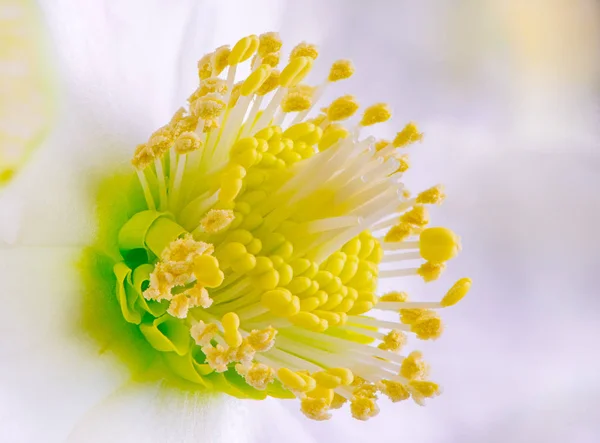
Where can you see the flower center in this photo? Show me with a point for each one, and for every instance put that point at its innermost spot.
(254, 267)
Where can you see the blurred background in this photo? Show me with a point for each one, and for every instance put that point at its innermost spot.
(507, 93)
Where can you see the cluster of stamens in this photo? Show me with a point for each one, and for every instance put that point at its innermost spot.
(283, 226)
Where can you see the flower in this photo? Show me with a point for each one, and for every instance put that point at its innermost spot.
(248, 249)
(317, 400)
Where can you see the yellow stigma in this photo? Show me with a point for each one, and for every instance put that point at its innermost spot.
(269, 42)
(410, 134)
(341, 70)
(374, 114)
(305, 50)
(342, 108)
(256, 266)
(457, 292)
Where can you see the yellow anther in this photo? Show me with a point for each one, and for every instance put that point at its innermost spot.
(319, 119)
(231, 324)
(257, 375)
(363, 408)
(432, 196)
(408, 135)
(262, 340)
(269, 42)
(266, 281)
(414, 367)
(203, 333)
(393, 341)
(431, 271)
(212, 85)
(296, 102)
(179, 306)
(381, 144)
(417, 216)
(217, 357)
(409, 316)
(310, 321)
(255, 80)
(198, 297)
(143, 157)
(235, 94)
(230, 188)
(187, 142)
(342, 108)
(438, 244)
(344, 374)
(428, 326)
(340, 70)
(205, 67)
(333, 318)
(331, 135)
(207, 272)
(377, 113)
(305, 50)
(271, 59)
(394, 390)
(395, 296)
(160, 141)
(404, 163)
(338, 401)
(270, 84)
(209, 107)
(217, 220)
(315, 408)
(243, 49)
(457, 292)
(299, 130)
(427, 389)
(295, 71)
(292, 380)
(309, 304)
(281, 302)
(221, 59)
(321, 391)
(360, 307)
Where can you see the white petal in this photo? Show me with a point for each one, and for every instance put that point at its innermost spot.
(151, 413)
(51, 372)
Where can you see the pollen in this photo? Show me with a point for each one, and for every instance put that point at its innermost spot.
(341, 70)
(257, 265)
(305, 50)
(217, 220)
(374, 114)
(342, 108)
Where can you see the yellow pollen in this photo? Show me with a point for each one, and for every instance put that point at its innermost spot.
(179, 306)
(143, 157)
(414, 367)
(203, 333)
(394, 297)
(217, 220)
(269, 42)
(428, 326)
(221, 59)
(408, 135)
(417, 216)
(262, 340)
(340, 70)
(209, 107)
(270, 84)
(457, 292)
(431, 271)
(198, 297)
(187, 142)
(394, 390)
(205, 66)
(338, 401)
(404, 163)
(377, 113)
(315, 408)
(296, 101)
(393, 341)
(160, 142)
(427, 389)
(363, 408)
(305, 50)
(271, 59)
(380, 144)
(432, 196)
(217, 357)
(399, 233)
(257, 375)
(342, 108)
